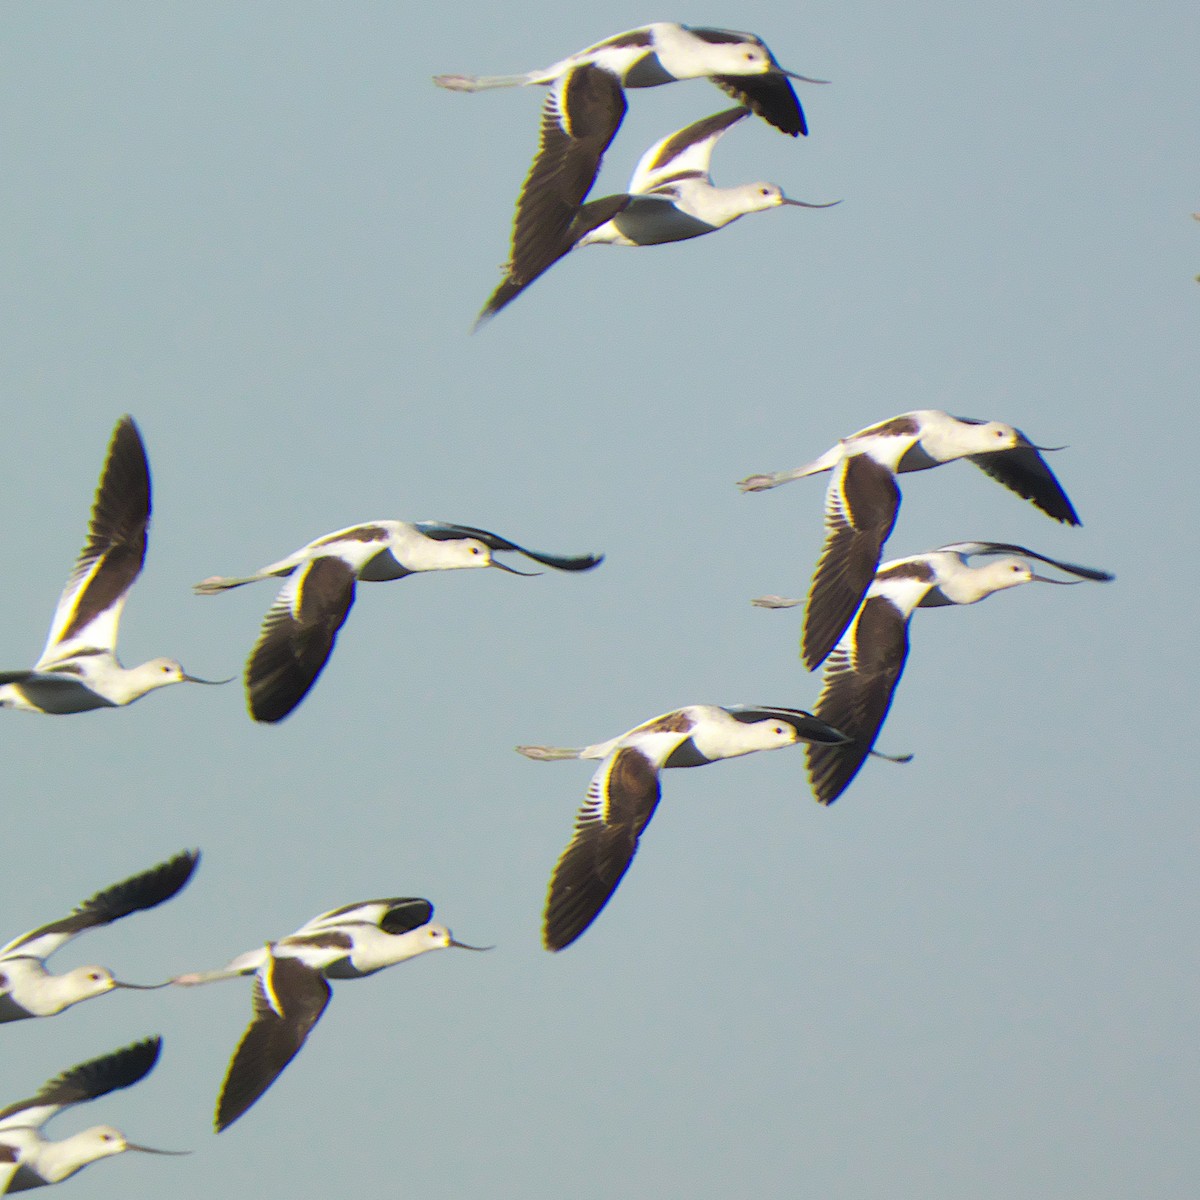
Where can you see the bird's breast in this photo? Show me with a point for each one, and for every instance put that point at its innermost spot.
(647, 71)
(654, 220)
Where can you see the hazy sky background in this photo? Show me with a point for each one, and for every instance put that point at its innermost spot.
(262, 230)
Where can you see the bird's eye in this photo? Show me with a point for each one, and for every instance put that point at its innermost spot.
(475, 550)
(106, 1137)
(95, 976)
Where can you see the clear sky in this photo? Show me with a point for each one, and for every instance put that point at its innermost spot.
(263, 231)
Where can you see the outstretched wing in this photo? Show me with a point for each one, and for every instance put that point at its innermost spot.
(397, 914)
(860, 510)
(298, 636)
(620, 801)
(685, 154)
(771, 97)
(131, 895)
(442, 531)
(88, 1081)
(860, 679)
(89, 609)
(289, 998)
(969, 548)
(808, 728)
(1023, 470)
(580, 118)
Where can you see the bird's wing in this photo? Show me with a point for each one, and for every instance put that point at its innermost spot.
(685, 154)
(131, 895)
(808, 728)
(298, 635)
(398, 914)
(89, 609)
(860, 678)
(970, 548)
(580, 118)
(289, 998)
(442, 531)
(771, 97)
(88, 1081)
(620, 801)
(1023, 470)
(860, 510)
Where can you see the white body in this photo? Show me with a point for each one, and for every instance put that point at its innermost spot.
(648, 56)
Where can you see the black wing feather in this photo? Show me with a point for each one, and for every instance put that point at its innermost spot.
(857, 693)
(294, 647)
(1023, 470)
(575, 134)
(855, 534)
(771, 96)
(606, 839)
(95, 1078)
(271, 1041)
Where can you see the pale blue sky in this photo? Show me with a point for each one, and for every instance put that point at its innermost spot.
(261, 230)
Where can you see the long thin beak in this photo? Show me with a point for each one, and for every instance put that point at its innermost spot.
(1060, 582)
(892, 758)
(1028, 445)
(151, 1150)
(805, 204)
(512, 570)
(141, 987)
(464, 946)
(802, 78)
(211, 683)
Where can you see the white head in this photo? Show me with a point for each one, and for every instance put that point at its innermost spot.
(750, 57)
(985, 437)
(158, 673)
(75, 1152)
(60, 1160)
(461, 552)
(83, 983)
(977, 583)
(436, 937)
(736, 202)
(771, 734)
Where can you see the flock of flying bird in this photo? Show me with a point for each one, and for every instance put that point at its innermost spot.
(856, 618)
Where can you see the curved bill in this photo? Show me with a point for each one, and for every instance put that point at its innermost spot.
(1060, 582)
(802, 78)
(211, 683)
(805, 204)
(140, 987)
(1028, 445)
(152, 1150)
(512, 570)
(464, 946)
(892, 758)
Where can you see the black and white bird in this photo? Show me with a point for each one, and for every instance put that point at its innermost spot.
(738, 63)
(28, 1160)
(861, 673)
(78, 669)
(862, 500)
(625, 790)
(27, 989)
(291, 983)
(670, 198)
(301, 626)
